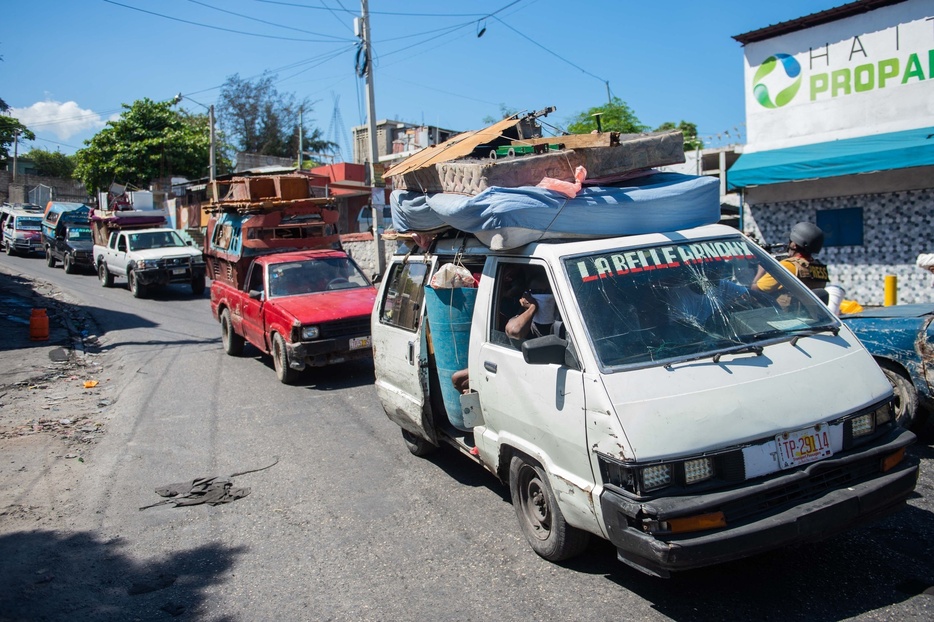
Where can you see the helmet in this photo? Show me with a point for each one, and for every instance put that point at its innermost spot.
(808, 237)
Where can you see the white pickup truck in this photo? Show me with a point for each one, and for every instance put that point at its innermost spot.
(147, 258)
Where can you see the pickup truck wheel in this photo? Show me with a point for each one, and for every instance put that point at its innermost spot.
(136, 288)
(280, 359)
(233, 343)
(197, 285)
(49, 258)
(68, 263)
(417, 445)
(106, 278)
(906, 395)
(540, 518)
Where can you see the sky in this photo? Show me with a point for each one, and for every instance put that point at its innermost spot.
(68, 66)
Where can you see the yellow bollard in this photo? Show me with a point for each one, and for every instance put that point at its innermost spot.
(891, 290)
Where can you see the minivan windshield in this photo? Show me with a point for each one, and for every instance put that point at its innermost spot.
(675, 301)
(28, 223)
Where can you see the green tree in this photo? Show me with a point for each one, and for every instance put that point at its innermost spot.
(261, 120)
(150, 140)
(9, 129)
(691, 140)
(615, 116)
(51, 163)
(504, 111)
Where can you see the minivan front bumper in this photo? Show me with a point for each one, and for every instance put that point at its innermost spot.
(803, 505)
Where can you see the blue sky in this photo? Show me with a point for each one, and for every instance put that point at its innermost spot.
(68, 65)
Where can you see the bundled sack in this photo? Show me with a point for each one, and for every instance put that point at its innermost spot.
(451, 276)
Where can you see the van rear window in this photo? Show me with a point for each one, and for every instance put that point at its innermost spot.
(661, 303)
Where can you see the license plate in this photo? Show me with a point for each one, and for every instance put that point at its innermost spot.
(179, 271)
(359, 342)
(803, 446)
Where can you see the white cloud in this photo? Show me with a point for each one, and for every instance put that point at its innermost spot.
(64, 120)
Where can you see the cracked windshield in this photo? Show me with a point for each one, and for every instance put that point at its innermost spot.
(673, 301)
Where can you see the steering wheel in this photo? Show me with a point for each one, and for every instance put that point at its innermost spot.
(335, 283)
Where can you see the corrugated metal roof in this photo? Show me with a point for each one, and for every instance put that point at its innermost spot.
(814, 19)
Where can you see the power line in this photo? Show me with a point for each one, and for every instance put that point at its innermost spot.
(558, 56)
(239, 32)
(262, 21)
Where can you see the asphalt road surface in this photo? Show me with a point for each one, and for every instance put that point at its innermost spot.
(347, 525)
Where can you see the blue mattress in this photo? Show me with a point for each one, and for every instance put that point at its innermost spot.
(504, 218)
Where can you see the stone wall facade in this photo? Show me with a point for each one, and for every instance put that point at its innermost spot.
(360, 246)
(18, 191)
(897, 227)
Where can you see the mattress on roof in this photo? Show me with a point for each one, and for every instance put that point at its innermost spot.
(504, 218)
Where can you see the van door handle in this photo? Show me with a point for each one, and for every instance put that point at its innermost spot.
(490, 366)
(411, 353)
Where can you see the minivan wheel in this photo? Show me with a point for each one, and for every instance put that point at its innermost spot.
(417, 445)
(49, 258)
(68, 263)
(539, 516)
(280, 359)
(106, 278)
(233, 343)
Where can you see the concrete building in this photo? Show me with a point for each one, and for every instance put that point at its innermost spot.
(395, 141)
(840, 132)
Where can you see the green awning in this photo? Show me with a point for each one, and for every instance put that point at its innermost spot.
(850, 156)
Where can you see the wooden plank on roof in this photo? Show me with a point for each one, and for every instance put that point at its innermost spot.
(455, 147)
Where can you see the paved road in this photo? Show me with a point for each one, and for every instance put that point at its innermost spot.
(349, 525)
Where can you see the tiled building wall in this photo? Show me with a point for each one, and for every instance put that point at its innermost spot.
(897, 227)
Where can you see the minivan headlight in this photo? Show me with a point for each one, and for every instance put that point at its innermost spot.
(310, 332)
(656, 476)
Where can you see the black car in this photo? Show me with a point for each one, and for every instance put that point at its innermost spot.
(70, 245)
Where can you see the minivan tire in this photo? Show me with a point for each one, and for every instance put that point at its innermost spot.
(417, 445)
(540, 518)
(49, 258)
(68, 264)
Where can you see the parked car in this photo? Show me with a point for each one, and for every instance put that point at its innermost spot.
(901, 339)
(22, 229)
(66, 235)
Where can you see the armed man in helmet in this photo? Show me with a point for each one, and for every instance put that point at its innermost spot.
(805, 240)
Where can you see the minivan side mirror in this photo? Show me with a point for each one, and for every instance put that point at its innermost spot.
(548, 350)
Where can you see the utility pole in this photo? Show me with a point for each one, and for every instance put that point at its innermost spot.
(213, 162)
(15, 151)
(376, 209)
(301, 142)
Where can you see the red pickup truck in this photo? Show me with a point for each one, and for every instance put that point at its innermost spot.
(305, 308)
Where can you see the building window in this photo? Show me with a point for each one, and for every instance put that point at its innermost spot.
(841, 227)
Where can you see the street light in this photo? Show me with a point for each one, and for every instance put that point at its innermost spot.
(210, 110)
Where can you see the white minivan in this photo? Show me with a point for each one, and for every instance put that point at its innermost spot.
(665, 406)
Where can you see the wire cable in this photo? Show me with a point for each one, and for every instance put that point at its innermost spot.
(239, 32)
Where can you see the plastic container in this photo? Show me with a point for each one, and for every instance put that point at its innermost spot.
(38, 325)
(449, 316)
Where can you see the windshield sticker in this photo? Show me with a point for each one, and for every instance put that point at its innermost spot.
(659, 258)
